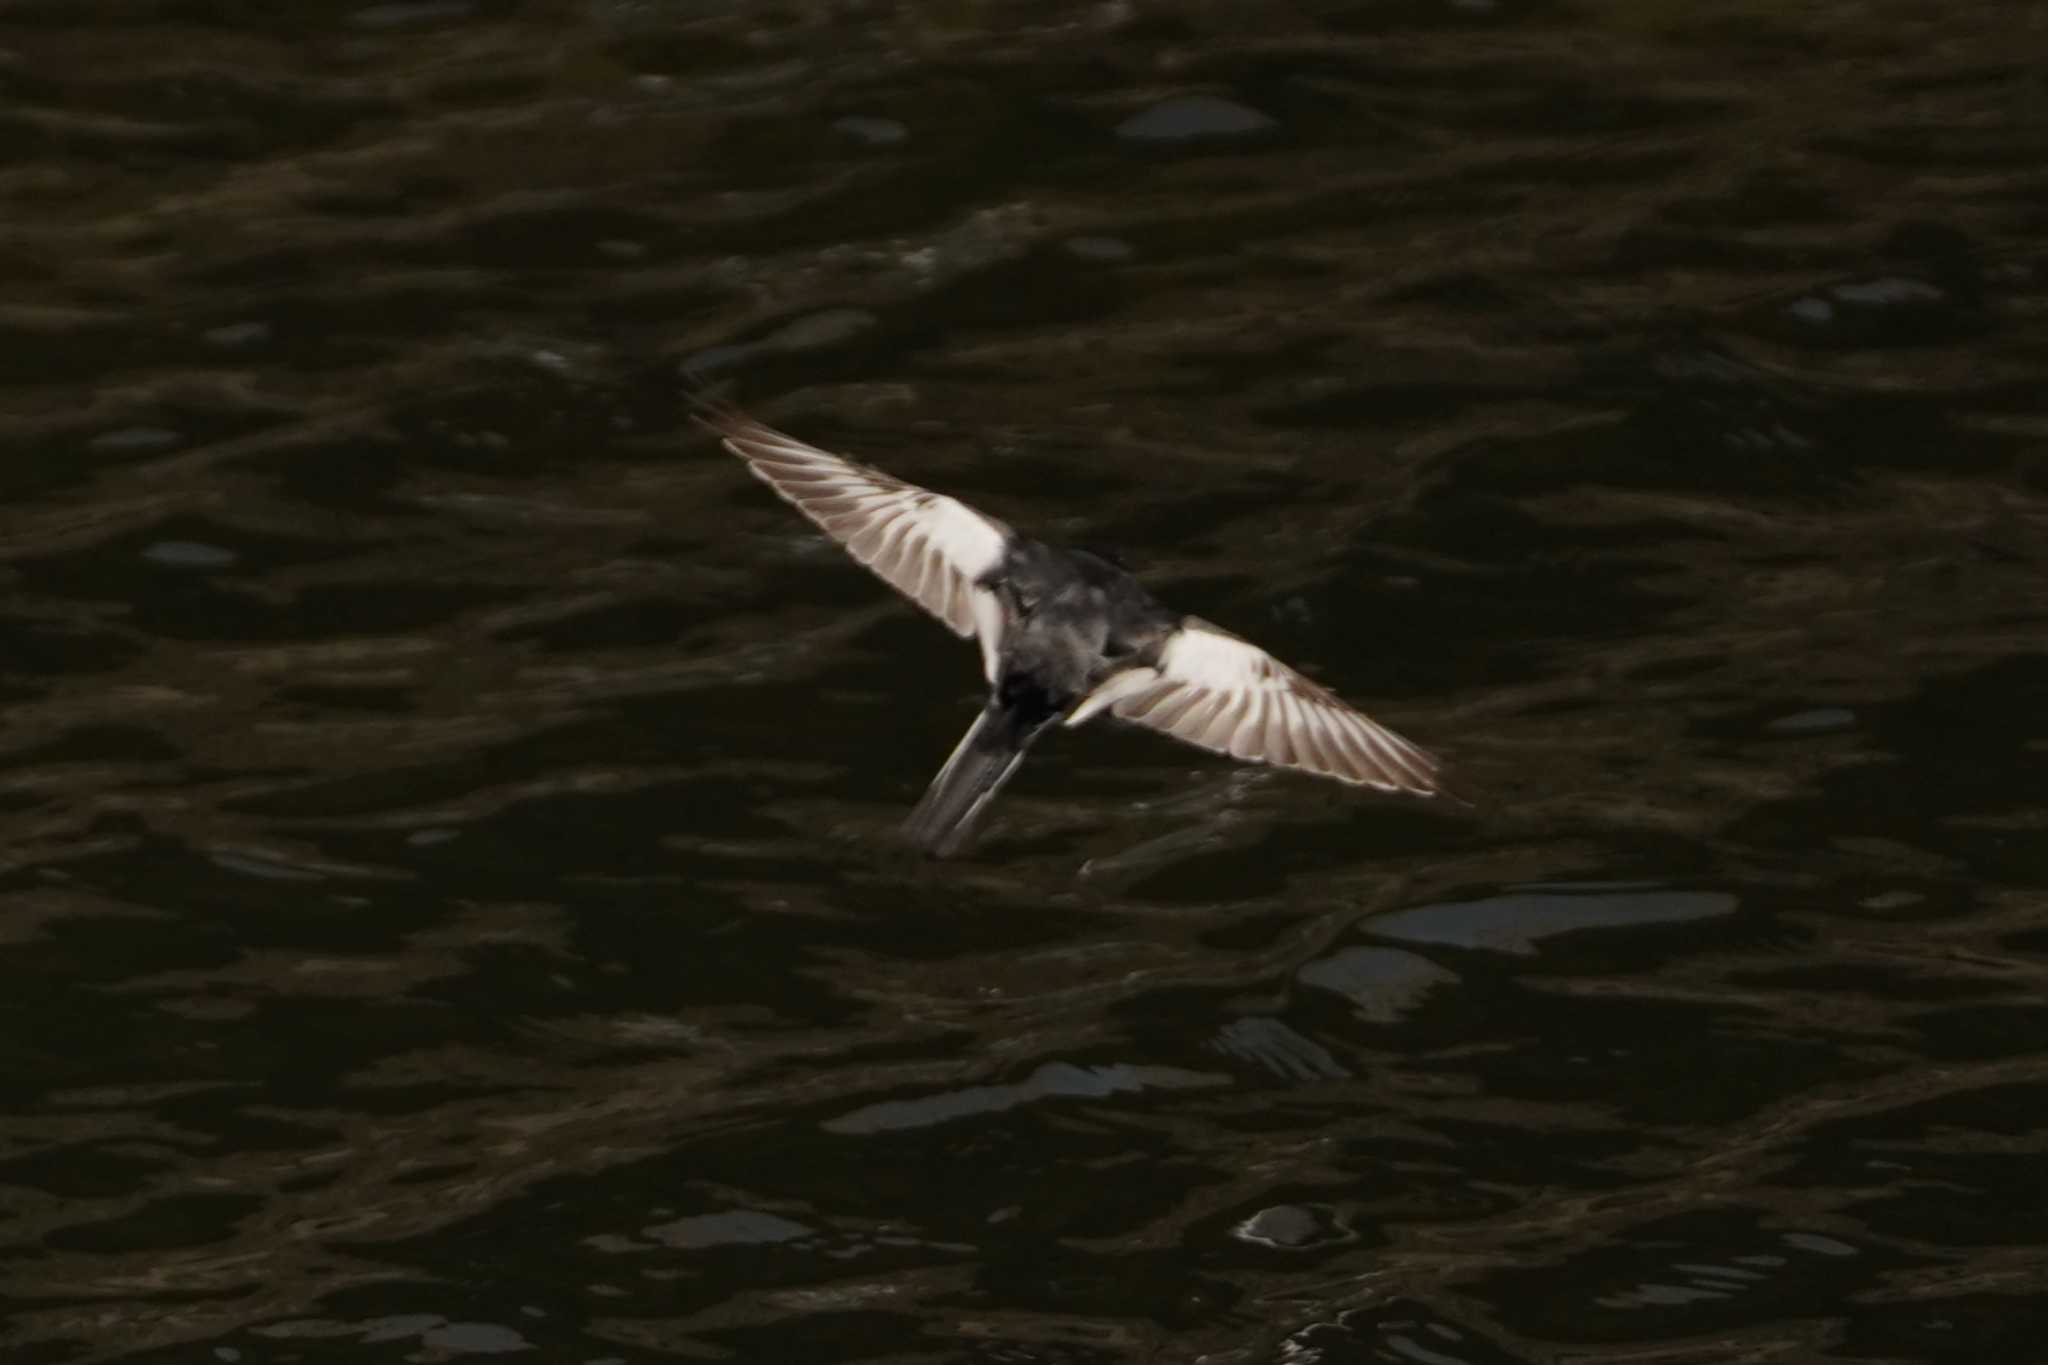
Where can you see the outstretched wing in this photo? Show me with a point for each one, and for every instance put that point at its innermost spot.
(1212, 689)
(931, 548)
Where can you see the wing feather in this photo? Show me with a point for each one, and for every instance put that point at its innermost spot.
(931, 548)
(1219, 692)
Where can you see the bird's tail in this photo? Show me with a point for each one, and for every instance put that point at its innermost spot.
(981, 763)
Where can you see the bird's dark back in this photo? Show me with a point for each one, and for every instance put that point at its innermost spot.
(1078, 618)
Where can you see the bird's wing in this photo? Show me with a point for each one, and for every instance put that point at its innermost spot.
(1213, 689)
(931, 548)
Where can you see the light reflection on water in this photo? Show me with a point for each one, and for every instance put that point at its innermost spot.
(1518, 921)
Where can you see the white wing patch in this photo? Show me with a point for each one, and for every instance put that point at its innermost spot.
(929, 547)
(1222, 693)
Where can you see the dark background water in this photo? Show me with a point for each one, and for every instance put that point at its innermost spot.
(450, 904)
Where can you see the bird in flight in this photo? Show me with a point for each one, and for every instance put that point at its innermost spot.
(1065, 636)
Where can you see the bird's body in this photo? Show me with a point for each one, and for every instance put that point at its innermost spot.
(1073, 618)
(1071, 622)
(1064, 635)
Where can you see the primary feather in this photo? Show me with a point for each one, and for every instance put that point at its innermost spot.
(1222, 693)
(930, 548)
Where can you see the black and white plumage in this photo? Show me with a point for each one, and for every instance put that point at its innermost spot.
(1065, 636)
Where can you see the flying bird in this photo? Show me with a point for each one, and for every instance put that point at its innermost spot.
(1065, 636)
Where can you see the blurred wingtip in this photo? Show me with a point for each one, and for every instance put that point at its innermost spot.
(712, 409)
(1449, 795)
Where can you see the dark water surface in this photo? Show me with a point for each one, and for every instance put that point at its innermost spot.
(450, 897)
